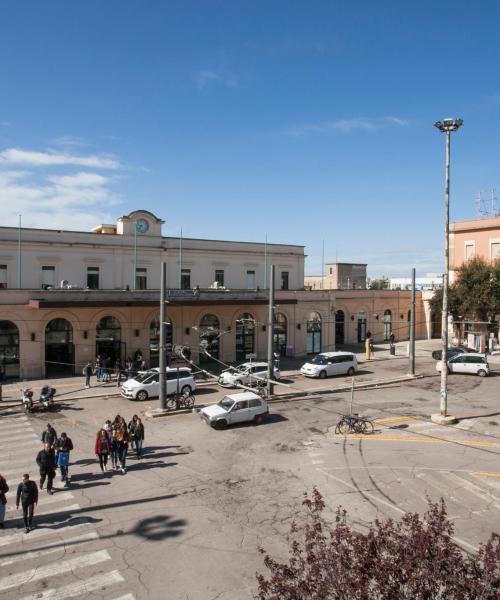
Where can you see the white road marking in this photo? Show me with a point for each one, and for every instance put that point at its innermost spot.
(45, 531)
(474, 489)
(126, 597)
(50, 511)
(21, 443)
(53, 569)
(317, 462)
(60, 547)
(79, 588)
(17, 429)
(57, 497)
(386, 503)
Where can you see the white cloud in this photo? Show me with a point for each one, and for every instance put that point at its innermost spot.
(70, 140)
(207, 77)
(16, 156)
(79, 180)
(345, 126)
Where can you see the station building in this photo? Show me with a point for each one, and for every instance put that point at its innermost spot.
(67, 296)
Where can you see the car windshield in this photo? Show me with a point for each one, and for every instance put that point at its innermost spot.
(226, 403)
(141, 377)
(319, 360)
(242, 368)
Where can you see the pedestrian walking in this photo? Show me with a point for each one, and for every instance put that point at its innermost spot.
(4, 488)
(63, 447)
(136, 431)
(106, 375)
(102, 448)
(98, 367)
(49, 436)
(118, 372)
(368, 346)
(113, 448)
(87, 371)
(46, 461)
(122, 439)
(129, 367)
(27, 494)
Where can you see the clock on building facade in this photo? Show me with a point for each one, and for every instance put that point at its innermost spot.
(141, 225)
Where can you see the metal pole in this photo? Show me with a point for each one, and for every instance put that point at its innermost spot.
(323, 266)
(265, 264)
(163, 318)
(134, 273)
(19, 255)
(180, 261)
(443, 405)
(352, 396)
(270, 332)
(412, 324)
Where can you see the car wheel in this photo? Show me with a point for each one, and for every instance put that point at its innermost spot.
(482, 373)
(142, 395)
(351, 371)
(186, 389)
(322, 374)
(258, 419)
(222, 424)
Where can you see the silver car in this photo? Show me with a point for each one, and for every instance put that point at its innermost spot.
(472, 364)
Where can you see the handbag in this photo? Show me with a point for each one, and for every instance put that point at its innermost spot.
(63, 459)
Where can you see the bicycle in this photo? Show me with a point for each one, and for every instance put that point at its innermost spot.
(180, 400)
(354, 424)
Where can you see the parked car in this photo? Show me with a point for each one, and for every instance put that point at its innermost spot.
(452, 351)
(473, 364)
(246, 374)
(331, 363)
(235, 408)
(147, 383)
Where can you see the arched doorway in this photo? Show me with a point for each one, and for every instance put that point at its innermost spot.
(209, 337)
(108, 342)
(361, 326)
(436, 325)
(154, 341)
(280, 333)
(59, 349)
(9, 351)
(339, 327)
(245, 336)
(313, 343)
(387, 324)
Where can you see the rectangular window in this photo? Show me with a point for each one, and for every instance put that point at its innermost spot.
(186, 279)
(250, 280)
(495, 250)
(219, 277)
(141, 278)
(284, 280)
(469, 251)
(48, 277)
(3, 277)
(93, 278)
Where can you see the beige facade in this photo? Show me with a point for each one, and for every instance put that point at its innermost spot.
(338, 276)
(52, 327)
(478, 237)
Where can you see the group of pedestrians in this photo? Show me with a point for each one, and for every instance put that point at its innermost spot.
(103, 368)
(113, 440)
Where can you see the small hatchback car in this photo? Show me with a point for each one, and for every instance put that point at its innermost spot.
(473, 364)
(147, 384)
(331, 363)
(246, 374)
(235, 408)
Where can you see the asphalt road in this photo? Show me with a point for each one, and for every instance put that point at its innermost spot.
(186, 521)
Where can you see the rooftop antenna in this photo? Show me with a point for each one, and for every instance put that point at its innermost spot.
(487, 207)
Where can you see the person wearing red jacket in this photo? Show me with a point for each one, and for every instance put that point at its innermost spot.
(102, 447)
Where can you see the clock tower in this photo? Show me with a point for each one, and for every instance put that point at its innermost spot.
(142, 221)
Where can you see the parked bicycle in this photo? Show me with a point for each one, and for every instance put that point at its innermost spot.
(354, 424)
(180, 400)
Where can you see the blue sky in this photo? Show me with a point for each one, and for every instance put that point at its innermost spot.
(305, 121)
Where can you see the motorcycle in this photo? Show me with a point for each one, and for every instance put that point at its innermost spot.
(47, 394)
(27, 399)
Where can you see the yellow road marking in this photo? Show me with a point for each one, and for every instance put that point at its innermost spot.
(393, 420)
(422, 438)
(485, 474)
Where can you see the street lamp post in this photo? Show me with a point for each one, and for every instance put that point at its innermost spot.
(446, 126)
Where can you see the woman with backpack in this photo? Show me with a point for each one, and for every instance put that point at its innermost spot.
(102, 448)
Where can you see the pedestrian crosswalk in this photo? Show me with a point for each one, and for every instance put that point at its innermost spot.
(61, 558)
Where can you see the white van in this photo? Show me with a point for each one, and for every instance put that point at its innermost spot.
(331, 363)
(147, 384)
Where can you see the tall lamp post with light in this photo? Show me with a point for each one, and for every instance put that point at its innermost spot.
(446, 126)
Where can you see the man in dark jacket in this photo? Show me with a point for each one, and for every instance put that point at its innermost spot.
(63, 447)
(27, 493)
(49, 435)
(46, 460)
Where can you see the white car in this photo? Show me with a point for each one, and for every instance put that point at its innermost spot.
(235, 408)
(147, 384)
(247, 374)
(472, 364)
(331, 363)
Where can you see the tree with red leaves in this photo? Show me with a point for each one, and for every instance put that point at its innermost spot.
(414, 558)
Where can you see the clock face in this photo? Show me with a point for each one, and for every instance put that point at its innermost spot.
(142, 225)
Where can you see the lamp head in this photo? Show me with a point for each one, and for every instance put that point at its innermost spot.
(447, 125)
